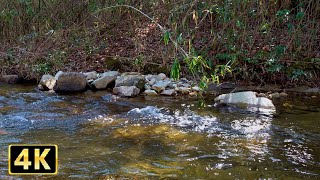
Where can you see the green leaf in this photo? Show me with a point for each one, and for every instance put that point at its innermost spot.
(299, 15)
(166, 37)
(175, 70)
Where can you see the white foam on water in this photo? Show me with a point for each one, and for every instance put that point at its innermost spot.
(186, 118)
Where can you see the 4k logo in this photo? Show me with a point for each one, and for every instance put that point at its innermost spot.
(33, 159)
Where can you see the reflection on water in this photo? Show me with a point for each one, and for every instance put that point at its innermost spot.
(100, 135)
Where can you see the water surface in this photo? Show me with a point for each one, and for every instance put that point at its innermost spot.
(101, 136)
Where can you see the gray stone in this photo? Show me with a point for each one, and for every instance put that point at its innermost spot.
(227, 85)
(247, 100)
(126, 91)
(184, 90)
(70, 82)
(105, 79)
(169, 92)
(47, 82)
(152, 81)
(196, 88)
(147, 87)
(93, 75)
(128, 79)
(58, 74)
(187, 85)
(283, 94)
(312, 90)
(161, 85)
(150, 93)
(162, 76)
(10, 79)
(275, 95)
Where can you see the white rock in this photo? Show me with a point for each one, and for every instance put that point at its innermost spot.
(150, 93)
(152, 81)
(126, 91)
(162, 76)
(47, 82)
(247, 99)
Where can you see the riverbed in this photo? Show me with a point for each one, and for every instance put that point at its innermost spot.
(100, 135)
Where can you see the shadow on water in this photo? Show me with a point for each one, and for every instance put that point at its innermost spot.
(101, 136)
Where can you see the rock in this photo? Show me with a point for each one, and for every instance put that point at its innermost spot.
(275, 95)
(193, 94)
(105, 79)
(127, 79)
(161, 85)
(261, 95)
(196, 88)
(246, 99)
(283, 94)
(161, 76)
(10, 79)
(152, 81)
(312, 90)
(131, 74)
(187, 85)
(184, 90)
(91, 75)
(126, 91)
(147, 87)
(70, 82)
(58, 74)
(169, 92)
(47, 82)
(150, 93)
(227, 85)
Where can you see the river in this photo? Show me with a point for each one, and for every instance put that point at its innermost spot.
(101, 136)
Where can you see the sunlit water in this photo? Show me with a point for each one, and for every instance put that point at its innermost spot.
(100, 136)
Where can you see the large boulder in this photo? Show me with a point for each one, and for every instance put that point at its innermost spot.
(10, 79)
(126, 91)
(131, 79)
(47, 82)
(105, 79)
(246, 100)
(70, 82)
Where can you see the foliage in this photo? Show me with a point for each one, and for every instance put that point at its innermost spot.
(256, 40)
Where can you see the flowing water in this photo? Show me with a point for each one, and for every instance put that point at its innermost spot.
(101, 136)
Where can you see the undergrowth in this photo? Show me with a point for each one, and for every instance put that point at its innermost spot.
(252, 41)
